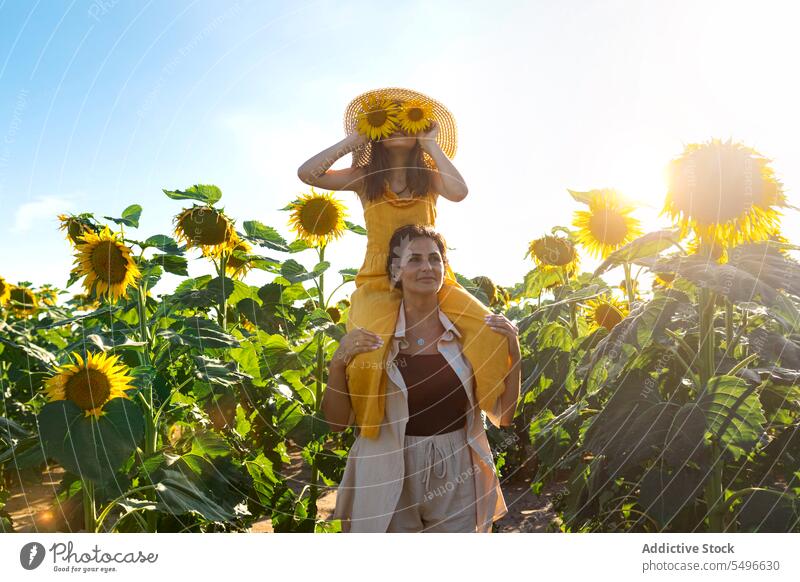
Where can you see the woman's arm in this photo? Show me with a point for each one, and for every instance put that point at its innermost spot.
(336, 398)
(336, 405)
(508, 399)
(446, 181)
(315, 172)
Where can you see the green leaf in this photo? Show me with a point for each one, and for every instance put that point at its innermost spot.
(583, 197)
(164, 243)
(91, 448)
(219, 372)
(299, 246)
(733, 413)
(172, 264)
(130, 216)
(265, 235)
(179, 495)
(348, 275)
(199, 333)
(648, 245)
(355, 228)
(295, 272)
(207, 193)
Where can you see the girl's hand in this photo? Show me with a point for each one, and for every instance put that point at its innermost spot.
(428, 138)
(356, 342)
(502, 325)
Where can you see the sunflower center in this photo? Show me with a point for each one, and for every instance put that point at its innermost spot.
(88, 389)
(205, 226)
(608, 226)
(377, 118)
(23, 297)
(717, 185)
(415, 114)
(319, 217)
(607, 315)
(109, 263)
(75, 229)
(554, 252)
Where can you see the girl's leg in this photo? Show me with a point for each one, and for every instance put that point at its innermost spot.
(486, 350)
(374, 308)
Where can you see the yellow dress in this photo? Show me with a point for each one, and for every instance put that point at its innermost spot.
(374, 306)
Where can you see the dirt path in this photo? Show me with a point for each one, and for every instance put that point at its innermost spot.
(33, 507)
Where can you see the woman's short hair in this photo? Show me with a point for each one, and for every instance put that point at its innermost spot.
(405, 234)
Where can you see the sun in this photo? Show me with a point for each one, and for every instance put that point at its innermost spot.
(317, 218)
(90, 383)
(106, 264)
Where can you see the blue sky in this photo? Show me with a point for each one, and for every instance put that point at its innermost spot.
(104, 103)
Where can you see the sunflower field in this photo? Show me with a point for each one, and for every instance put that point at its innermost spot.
(664, 401)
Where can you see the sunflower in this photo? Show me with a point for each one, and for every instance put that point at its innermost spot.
(23, 300)
(238, 267)
(48, 295)
(724, 193)
(75, 227)
(90, 383)
(5, 291)
(554, 252)
(317, 218)
(663, 280)
(84, 302)
(334, 314)
(378, 117)
(206, 228)
(607, 225)
(107, 264)
(605, 312)
(415, 115)
(713, 250)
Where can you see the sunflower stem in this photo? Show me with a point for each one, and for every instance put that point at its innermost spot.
(222, 315)
(89, 509)
(729, 326)
(714, 491)
(150, 427)
(628, 283)
(314, 492)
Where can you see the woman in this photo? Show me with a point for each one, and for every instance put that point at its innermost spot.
(431, 468)
(398, 178)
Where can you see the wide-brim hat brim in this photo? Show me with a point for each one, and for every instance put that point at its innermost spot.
(447, 137)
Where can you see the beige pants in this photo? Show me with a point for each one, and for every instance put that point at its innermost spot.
(439, 486)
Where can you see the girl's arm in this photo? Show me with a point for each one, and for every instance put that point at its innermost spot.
(446, 181)
(315, 172)
(507, 403)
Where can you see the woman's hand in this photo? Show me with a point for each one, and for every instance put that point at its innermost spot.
(356, 342)
(502, 325)
(427, 139)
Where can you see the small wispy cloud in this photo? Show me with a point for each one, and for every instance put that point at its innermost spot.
(43, 209)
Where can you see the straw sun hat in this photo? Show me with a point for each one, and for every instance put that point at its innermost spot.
(447, 137)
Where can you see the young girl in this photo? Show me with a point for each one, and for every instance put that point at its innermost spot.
(401, 142)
